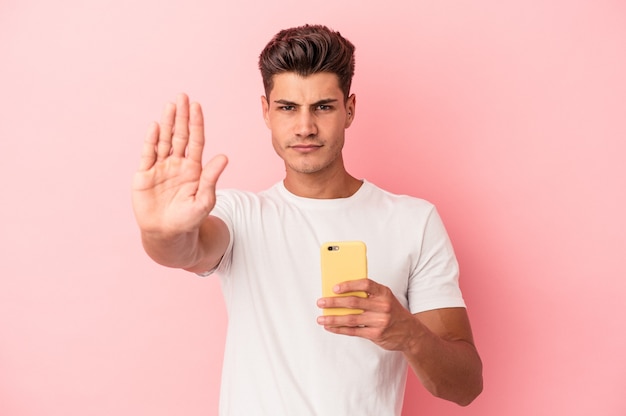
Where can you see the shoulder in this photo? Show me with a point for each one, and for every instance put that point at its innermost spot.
(378, 195)
(237, 200)
(232, 194)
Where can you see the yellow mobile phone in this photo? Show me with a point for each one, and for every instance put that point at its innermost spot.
(342, 261)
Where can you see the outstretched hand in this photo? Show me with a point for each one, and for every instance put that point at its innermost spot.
(172, 193)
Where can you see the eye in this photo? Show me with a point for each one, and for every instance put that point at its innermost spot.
(286, 108)
(324, 107)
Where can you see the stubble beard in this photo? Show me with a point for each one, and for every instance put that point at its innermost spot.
(308, 167)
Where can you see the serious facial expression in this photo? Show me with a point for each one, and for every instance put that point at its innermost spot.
(308, 117)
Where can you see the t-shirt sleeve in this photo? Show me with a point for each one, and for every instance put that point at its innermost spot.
(434, 281)
(224, 209)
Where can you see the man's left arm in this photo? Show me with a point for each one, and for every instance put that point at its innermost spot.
(437, 344)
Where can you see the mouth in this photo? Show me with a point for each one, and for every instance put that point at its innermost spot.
(305, 147)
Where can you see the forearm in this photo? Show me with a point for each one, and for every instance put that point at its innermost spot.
(174, 250)
(449, 369)
(197, 251)
(438, 344)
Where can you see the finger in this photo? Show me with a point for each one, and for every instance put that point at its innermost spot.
(148, 153)
(347, 302)
(196, 133)
(208, 180)
(164, 145)
(346, 330)
(342, 321)
(352, 331)
(360, 285)
(181, 126)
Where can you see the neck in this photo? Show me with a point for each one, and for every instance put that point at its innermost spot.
(317, 186)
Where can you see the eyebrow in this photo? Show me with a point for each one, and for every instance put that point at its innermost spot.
(320, 102)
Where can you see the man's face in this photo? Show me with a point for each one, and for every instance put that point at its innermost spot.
(308, 117)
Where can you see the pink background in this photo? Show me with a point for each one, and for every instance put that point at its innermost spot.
(510, 116)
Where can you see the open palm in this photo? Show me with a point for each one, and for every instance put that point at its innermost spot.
(172, 192)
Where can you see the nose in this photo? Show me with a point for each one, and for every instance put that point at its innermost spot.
(305, 124)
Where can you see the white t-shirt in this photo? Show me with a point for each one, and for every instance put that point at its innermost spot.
(278, 361)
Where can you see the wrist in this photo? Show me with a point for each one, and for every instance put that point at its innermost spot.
(417, 335)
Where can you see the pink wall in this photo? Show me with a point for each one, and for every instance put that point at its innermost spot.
(510, 116)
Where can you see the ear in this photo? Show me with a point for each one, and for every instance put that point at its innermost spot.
(265, 105)
(350, 110)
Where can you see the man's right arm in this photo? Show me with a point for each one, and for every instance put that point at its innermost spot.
(173, 194)
(197, 251)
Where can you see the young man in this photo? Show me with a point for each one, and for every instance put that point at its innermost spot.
(283, 357)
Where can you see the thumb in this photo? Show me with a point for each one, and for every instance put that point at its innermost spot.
(208, 180)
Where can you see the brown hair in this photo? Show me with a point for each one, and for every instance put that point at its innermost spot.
(307, 50)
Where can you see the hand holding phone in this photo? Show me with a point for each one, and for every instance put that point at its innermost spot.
(342, 261)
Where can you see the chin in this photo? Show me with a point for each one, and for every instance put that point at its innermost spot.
(306, 169)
